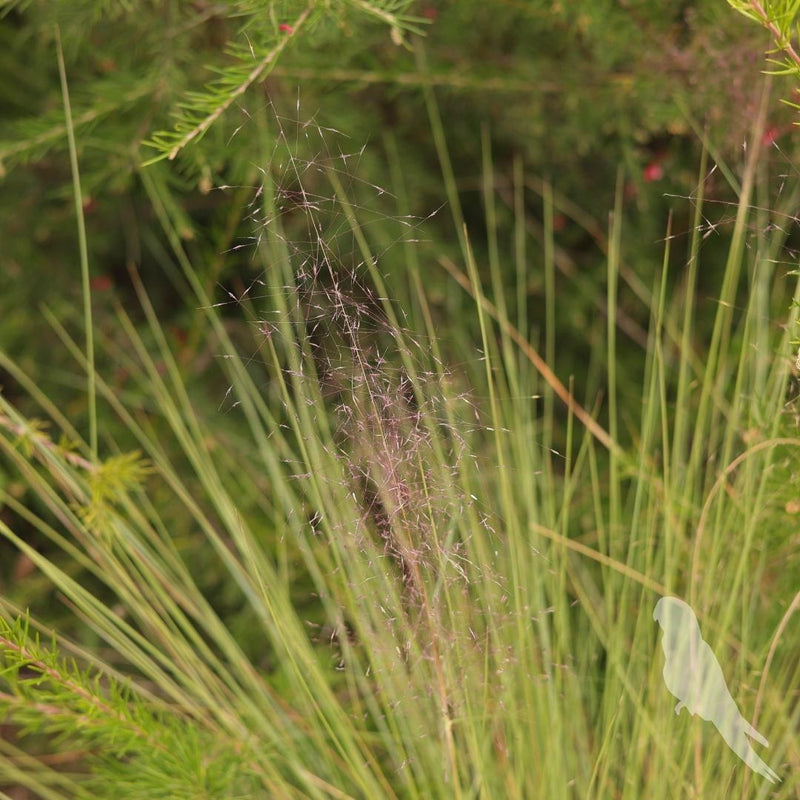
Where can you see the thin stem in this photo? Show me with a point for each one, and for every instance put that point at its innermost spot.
(83, 249)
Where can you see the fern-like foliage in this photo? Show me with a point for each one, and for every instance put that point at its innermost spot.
(140, 87)
(261, 41)
(782, 19)
(108, 727)
(200, 109)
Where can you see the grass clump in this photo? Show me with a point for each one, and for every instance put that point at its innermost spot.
(393, 558)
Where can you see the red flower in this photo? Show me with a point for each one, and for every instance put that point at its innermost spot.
(653, 172)
(284, 28)
(771, 134)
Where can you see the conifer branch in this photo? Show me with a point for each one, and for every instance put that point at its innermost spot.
(254, 75)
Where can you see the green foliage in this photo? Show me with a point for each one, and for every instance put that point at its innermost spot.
(108, 483)
(119, 738)
(782, 19)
